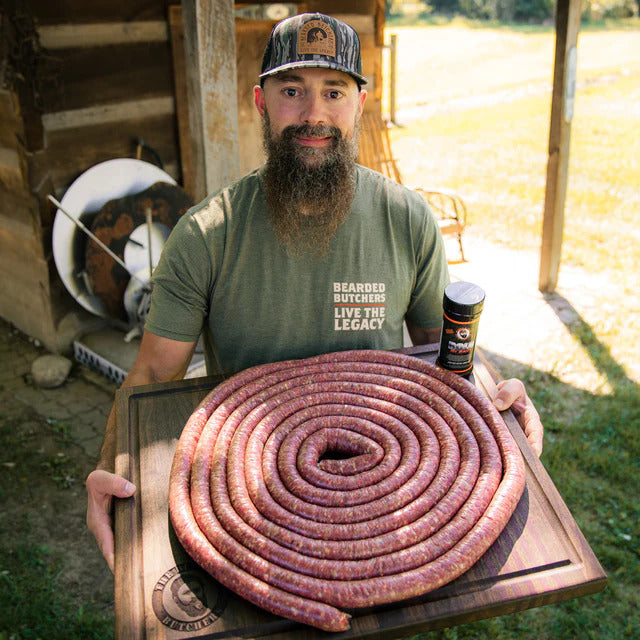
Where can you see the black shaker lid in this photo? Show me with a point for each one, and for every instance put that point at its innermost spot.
(464, 298)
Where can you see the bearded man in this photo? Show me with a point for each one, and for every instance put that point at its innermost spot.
(308, 254)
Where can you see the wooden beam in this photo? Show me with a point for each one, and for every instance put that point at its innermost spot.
(363, 24)
(210, 55)
(568, 14)
(83, 12)
(25, 298)
(108, 113)
(67, 36)
(334, 7)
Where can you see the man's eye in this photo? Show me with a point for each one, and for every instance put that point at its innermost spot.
(334, 95)
(291, 92)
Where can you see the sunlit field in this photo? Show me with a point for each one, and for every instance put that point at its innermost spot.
(472, 109)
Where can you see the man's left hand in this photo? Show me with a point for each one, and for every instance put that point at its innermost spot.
(512, 394)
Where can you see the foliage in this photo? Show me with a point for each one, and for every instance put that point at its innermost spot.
(32, 604)
(38, 597)
(523, 11)
(533, 10)
(602, 9)
(495, 154)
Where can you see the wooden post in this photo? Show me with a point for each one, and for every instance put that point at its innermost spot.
(568, 14)
(176, 29)
(210, 57)
(393, 61)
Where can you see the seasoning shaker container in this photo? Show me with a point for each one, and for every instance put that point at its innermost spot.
(462, 305)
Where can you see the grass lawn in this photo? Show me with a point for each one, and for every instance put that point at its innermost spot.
(473, 107)
(491, 146)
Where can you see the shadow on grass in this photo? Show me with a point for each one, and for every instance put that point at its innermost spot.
(592, 454)
(584, 334)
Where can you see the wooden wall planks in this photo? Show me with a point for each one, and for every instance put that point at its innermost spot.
(105, 79)
(80, 11)
(24, 270)
(62, 36)
(108, 75)
(99, 144)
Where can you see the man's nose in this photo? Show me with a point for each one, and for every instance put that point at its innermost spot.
(313, 111)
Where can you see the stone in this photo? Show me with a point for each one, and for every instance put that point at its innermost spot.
(50, 371)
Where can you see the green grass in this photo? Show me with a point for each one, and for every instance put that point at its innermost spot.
(605, 175)
(496, 156)
(34, 604)
(592, 452)
(500, 187)
(495, 153)
(426, 19)
(37, 601)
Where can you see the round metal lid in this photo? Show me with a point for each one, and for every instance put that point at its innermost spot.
(86, 196)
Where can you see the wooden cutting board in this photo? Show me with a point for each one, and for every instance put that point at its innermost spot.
(160, 594)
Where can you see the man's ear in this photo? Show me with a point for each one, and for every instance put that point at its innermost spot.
(258, 97)
(362, 96)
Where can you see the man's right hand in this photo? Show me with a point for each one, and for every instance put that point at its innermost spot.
(159, 360)
(102, 487)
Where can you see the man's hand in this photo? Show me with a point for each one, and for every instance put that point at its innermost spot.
(512, 394)
(102, 487)
(159, 360)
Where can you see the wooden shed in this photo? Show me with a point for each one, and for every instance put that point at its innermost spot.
(83, 83)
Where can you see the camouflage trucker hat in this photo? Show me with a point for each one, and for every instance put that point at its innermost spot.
(313, 40)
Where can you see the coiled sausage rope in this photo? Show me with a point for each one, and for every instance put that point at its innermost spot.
(346, 480)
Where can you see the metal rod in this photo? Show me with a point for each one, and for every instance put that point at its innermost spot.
(148, 216)
(96, 240)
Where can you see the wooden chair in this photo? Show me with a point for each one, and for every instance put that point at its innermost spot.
(375, 152)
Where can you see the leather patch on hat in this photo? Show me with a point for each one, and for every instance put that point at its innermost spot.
(317, 37)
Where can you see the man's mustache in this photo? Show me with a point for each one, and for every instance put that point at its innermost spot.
(310, 131)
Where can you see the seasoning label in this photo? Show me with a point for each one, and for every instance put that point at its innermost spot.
(457, 345)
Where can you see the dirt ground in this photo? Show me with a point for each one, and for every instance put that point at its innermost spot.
(49, 439)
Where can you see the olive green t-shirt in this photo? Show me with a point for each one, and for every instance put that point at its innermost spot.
(225, 274)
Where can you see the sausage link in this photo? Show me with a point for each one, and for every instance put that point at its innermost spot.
(350, 479)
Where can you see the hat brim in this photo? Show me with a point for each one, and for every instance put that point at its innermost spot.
(310, 64)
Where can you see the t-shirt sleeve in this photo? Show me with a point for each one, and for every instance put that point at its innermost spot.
(432, 273)
(181, 284)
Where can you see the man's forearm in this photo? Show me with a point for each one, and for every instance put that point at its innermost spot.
(159, 360)
(107, 459)
(420, 335)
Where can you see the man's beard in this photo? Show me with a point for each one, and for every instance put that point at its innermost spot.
(308, 190)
